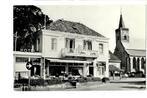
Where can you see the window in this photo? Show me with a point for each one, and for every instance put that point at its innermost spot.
(54, 44)
(87, 45)
(70, 44)
(125, 37)
(101, 48)
(22, 59)
(101, 68)
(35, 60)
(134, 62)
(142, 63)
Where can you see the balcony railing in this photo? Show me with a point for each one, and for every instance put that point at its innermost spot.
(79, 53)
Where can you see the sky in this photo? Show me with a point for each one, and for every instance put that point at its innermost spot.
(104, 19)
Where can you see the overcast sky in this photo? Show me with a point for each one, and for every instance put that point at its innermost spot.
(104, 19)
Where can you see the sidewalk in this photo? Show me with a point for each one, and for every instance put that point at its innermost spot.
(128, 80)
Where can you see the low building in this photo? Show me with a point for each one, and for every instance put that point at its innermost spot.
(67, 47)
(114, 64)
(114, 60)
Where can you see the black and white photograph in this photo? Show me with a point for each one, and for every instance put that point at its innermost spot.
(79, 47)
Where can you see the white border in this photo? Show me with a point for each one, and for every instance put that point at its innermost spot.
(6, 54)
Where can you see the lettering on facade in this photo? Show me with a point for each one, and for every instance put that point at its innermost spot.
(25, 50)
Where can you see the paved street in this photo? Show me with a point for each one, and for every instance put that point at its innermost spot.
(117, 84)
(109, 86)
(123, 84)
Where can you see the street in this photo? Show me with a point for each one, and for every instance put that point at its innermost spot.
(109, 86)
(117, 84)
(123, 84)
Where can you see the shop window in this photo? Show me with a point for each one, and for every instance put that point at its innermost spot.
(20, 75)
(101, 68)
(22, 59)
(76, 70)
(56, 70)
(35, 61)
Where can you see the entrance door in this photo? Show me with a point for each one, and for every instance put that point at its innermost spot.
(35, 70)
(91, 71)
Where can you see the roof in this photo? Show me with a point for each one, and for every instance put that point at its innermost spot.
(72, 27)
(113, 57)
(121, 22)
(136, 52)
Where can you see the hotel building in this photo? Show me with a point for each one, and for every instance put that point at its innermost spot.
(65, 47)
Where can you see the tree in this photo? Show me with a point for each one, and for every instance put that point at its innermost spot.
(28, 21)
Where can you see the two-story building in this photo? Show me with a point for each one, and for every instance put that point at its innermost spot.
(67, 47)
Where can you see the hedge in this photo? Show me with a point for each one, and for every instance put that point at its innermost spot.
(51, 81)
(88, 79)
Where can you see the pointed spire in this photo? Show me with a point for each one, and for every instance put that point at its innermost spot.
(121, 22)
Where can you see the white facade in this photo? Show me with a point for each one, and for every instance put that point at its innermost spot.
(61, 50)
(54, 54)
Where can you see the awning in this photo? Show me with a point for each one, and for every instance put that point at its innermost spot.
(114, 68)
(68, 61)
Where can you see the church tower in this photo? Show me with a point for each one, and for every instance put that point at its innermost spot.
(122, 43)
(122, 34)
